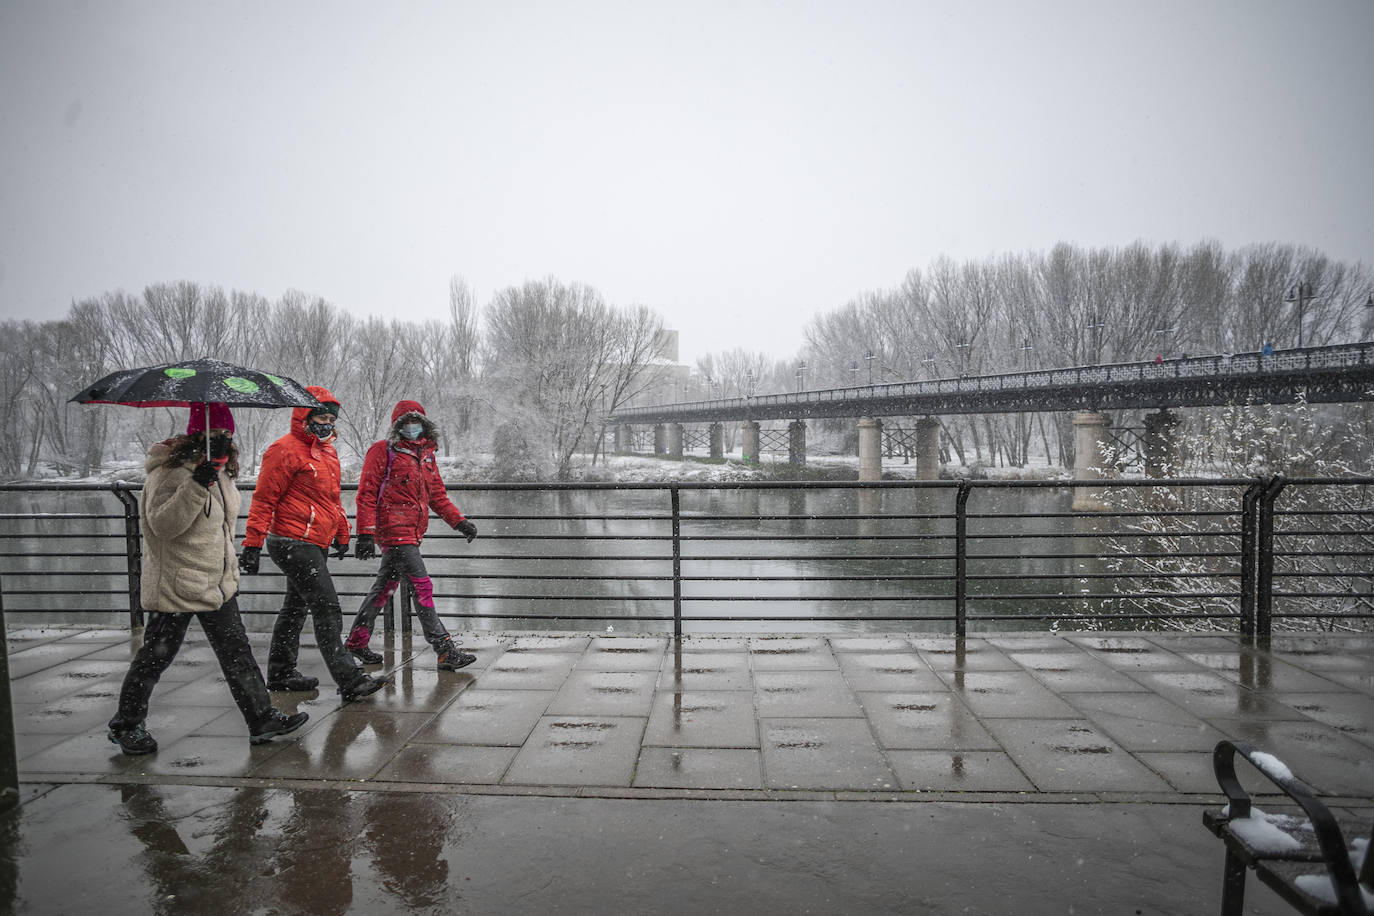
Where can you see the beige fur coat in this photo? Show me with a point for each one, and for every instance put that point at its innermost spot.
(188, 553)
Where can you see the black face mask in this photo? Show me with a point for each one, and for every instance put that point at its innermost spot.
(321, 430)
(220, 446)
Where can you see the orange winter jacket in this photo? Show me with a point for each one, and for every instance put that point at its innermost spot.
(297, 495)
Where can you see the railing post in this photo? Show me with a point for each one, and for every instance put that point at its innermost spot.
(675, 499)
(961, 557)
(9, 758)
(1249, 537)
(1264, 586)
(133, 553)
(412, 608)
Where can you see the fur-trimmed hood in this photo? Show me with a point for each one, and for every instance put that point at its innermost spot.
(406, 409)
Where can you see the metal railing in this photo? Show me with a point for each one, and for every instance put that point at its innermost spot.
(1196, 380)
(846, 555)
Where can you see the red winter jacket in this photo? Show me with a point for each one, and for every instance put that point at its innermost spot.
(297, 495)
(400, 483)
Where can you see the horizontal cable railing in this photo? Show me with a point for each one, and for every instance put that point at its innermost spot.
(1232, 553)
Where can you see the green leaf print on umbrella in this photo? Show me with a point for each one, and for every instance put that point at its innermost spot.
(241, 385)
(196, 381)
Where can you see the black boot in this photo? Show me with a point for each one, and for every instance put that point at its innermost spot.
(450, 659)
(364, 685)
(277, 723)
(133, 741)
(292, 680)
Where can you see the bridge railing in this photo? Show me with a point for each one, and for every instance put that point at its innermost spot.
(908, 555)
(1238, 365)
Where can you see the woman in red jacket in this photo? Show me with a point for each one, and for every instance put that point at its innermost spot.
(400, 483)
(296, 510)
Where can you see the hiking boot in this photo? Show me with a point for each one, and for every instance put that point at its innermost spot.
(365, 685)
(293, 680)
(133, 741)
(366, 655)
(450, 659)
(278, 723)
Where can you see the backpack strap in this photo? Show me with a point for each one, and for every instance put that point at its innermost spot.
(390, 456)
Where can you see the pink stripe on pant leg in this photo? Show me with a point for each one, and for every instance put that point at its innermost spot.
(424, 590)
(386, 593)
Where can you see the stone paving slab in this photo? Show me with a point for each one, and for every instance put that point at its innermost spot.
(882, 716)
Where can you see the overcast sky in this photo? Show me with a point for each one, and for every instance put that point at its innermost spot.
(736, 166)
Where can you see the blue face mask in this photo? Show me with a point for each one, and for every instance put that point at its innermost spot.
(321, 430)
(412, 430)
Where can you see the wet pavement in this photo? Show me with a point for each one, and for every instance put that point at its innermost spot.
(584, 773)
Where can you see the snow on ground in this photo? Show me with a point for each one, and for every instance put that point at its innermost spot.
(478, 468)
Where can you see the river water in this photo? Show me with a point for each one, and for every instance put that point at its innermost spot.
(598, 560)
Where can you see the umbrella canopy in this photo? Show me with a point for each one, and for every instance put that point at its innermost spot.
(196, 381)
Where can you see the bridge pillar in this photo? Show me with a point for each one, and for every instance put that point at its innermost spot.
(675, 441)
(1089, 435)
(623, 438)
(717, 440)
(870, 448)
(749, 441)
(1161, 444)
(927, 449)
(660, 438)
(796, 443)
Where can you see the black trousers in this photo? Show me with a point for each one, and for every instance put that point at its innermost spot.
(309, 591)
(397, 561)
(162, 638)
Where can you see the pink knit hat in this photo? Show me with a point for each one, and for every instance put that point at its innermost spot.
(220, 418)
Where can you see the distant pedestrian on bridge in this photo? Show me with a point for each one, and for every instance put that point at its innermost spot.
(400, 484)
(190, 503)
(297, 513)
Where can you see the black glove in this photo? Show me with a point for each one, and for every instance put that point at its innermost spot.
(205, 474)
(249, 559)
(340, 550)
(367, 547)
(467, 529)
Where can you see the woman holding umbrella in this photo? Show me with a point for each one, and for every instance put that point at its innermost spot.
(297, 513)
(189, 570)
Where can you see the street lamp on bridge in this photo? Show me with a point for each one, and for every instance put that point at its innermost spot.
(1300, 294)
(968, 352)
(801, 375)
(1025, 349)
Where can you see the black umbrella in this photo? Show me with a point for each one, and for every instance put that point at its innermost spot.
(196, 381)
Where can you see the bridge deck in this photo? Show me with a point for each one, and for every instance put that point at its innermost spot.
(1317, 374)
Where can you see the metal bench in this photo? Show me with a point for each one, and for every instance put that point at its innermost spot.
(1305, 860)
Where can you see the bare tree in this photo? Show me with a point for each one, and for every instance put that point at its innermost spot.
(385, 370)
(561, 358)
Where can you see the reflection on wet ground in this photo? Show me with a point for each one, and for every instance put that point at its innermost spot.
(401, 802)
(1099, 713)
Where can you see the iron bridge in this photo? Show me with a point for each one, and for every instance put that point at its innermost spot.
(1332, 374)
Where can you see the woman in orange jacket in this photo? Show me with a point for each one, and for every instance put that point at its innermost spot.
(399, 485)
(297, 512)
